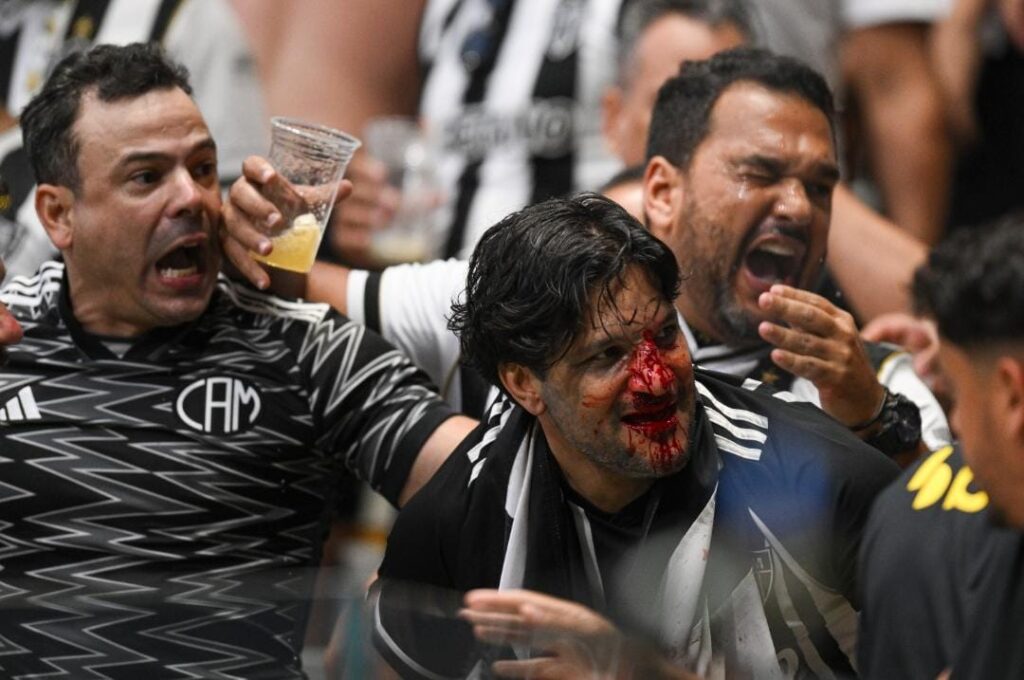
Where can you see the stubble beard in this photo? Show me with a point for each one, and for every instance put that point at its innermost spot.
(708, 280)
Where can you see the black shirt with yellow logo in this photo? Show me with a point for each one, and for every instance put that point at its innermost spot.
(925, 558)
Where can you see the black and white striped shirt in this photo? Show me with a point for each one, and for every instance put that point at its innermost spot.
(512, 93)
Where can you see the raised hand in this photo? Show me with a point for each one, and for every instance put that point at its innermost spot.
(816, 340)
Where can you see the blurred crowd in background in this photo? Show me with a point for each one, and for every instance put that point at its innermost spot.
(471, 109)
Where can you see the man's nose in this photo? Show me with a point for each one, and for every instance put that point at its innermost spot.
(648, 374)
(187, 198)
(793, 203)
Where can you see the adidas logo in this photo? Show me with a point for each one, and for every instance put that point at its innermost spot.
(21, 406)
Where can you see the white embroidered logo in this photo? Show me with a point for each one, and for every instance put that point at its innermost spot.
(218, 405)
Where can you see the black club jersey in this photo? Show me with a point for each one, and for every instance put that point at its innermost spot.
(161, 514)
(749, 566)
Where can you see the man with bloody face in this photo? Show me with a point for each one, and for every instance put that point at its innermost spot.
(613, 479)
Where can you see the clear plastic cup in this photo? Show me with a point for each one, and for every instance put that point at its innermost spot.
(313, 158)
(412, 234)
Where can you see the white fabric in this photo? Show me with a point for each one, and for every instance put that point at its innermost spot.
(896, 373)
(204, 36)
(510, 125)
(414, 303)
(863, 13)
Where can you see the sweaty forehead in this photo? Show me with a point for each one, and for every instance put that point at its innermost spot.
(158, 114)
(625, 310)
(749, 114)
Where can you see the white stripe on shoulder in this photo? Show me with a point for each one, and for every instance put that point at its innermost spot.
(734, 414)
(264, 303)
(30, 291)
(784, 395)
(730, 446)
(497, 416)
(736, 431)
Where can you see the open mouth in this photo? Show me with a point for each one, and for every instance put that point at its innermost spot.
(184, 262)
(653, 419)
(776, 258)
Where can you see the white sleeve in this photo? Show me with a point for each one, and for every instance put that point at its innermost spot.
(865, 13)
(413, 303)
(897, 373)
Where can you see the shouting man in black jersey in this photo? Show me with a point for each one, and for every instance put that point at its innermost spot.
(718, 522)
(171, 442)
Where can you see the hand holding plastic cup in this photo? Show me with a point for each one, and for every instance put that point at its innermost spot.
(313, 159)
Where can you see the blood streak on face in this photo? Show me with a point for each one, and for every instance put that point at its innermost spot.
(654, 403)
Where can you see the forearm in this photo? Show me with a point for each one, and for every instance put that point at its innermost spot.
(872, 259)
(889, 71)
(329, 283)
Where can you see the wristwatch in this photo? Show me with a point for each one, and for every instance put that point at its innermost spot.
(899, 428)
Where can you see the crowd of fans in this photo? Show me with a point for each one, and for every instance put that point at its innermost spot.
(710, 365)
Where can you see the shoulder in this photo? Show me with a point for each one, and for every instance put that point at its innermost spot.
(791, 443)
(28, 297)
(464, 502)
(268, 307)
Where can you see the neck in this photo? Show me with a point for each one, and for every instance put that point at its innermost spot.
(606, 490)
(701, 330)
(91, 309)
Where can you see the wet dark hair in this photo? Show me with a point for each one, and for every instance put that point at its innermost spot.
(973, 284)
(682, 112)
(113, 72)
(638, 15)
(534, 275)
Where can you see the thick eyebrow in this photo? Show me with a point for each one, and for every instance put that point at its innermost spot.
(825, 171)
(150, 156)
(607, 339)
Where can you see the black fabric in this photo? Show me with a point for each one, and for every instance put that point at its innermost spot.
(988, 175)
(812, 485)
(372, 302)
(164, 16)
(8, 48)
(992, 649)
(553, 174)
(182, 493)
(470, 177)
(928, 549)
(87, 14)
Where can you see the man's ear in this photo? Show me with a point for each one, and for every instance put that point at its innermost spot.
(1009, 383)
(55, 207)
(663, 197)
(611, 109)
(524, 386)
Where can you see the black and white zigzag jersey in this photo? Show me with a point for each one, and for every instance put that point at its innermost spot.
(161, 513)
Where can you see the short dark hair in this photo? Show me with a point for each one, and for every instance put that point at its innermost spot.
(638, 15)
(973, 284)
(682, 112)
(533, 277)
(113, 72)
